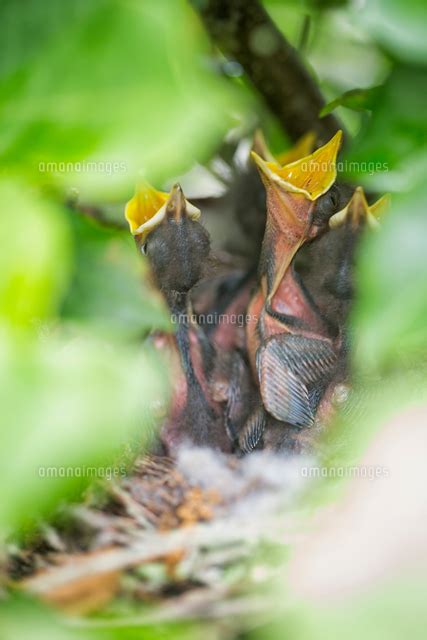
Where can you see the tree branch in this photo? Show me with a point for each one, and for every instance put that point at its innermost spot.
(244, 31)
(96, 213)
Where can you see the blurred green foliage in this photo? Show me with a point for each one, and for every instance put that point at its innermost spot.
(35, 256)
(108, 289)
(107, 82)
(386, 615)
(67, 405)
(23, 619)
(398, 26)
(395, 137)
(390, 317)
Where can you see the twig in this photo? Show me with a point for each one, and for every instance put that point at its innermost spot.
(141, 515)
(147, 547)
(97, 214)
(244, 31)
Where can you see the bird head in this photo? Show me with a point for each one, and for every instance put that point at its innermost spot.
(294, 191)
(150, 208)
(358, 214)
(166, 229)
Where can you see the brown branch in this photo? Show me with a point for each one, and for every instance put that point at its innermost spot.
(95, 213)
(244, 31)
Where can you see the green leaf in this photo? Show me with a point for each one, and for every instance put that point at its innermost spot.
(398, 25)
(356, 99)
(35, 255)
(92, 93)
(108, 288)
(23, 619)
(68, 409)
(388, 611)
(322, 5)
(390, 331)
(390, 152)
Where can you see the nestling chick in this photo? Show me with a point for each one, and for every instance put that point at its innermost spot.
(177, 245)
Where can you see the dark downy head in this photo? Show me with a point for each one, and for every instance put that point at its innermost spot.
(331, 203)
(167, 230)
(327, 264)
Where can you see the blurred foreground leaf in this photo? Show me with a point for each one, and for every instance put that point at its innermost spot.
(397, 24)
(108, 290)
(68, 409)
(92, 93)
(388, 613)
(390, 152)
(68, 402)
(390, 330)
(24, 619)
(35, 255)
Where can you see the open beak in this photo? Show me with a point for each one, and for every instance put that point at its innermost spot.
(303, 147)
(358, 212)
(177, 206)
(310, 175)
(149, 207)
(292, 190)
(260, 147)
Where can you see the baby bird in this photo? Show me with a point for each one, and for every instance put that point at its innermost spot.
(166, 229)
(291, 350)
(298, 374)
